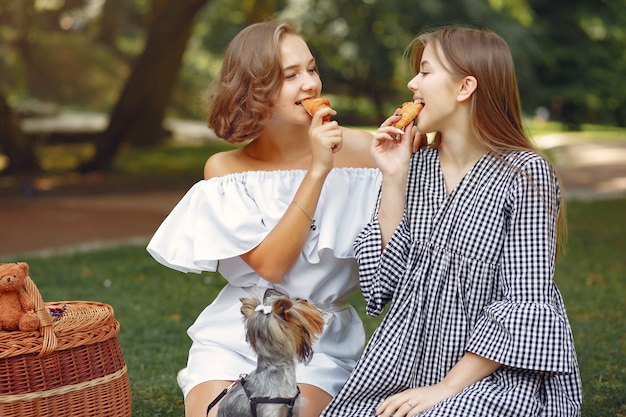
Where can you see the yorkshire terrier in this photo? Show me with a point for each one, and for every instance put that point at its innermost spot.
(281, 331)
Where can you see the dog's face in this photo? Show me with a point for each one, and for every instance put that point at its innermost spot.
(281, 326)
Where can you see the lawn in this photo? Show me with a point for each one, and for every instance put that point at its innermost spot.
(155, 305)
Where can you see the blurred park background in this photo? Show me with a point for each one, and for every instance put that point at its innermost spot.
(106, 97)
(127, 71)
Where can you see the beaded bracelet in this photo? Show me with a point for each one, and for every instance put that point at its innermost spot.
(313, 226)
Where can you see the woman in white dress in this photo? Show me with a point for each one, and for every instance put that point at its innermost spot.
(280, 212)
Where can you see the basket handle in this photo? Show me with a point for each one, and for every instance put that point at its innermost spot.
(43, 313)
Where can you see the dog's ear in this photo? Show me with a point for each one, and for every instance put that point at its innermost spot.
(307, 322)
(301, 312)
(281, 307)
(248, 304)
(310, 316)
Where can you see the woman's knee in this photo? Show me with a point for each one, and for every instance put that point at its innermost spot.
(315, 400)
(198, 399)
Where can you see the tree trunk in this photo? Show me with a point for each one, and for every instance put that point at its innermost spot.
(138, 115)
(22, 159)
(110, 23)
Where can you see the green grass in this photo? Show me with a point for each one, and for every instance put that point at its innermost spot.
(591, 277)
(155, 306)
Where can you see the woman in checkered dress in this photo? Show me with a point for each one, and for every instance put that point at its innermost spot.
(462, 247)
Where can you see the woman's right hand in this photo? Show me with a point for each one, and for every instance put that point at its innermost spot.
(392, 147)
(326, 138)
(391, 150)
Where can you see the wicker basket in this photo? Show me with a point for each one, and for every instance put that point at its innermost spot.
(73, 366)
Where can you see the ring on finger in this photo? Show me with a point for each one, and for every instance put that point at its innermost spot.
(409, 404)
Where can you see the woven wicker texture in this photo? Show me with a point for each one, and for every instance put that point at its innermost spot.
(73, 366)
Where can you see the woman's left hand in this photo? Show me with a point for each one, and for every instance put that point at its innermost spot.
(467, 371)
(414, 401)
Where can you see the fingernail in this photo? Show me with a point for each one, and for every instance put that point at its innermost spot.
(400, 131)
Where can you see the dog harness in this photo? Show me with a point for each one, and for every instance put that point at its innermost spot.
(254, 401)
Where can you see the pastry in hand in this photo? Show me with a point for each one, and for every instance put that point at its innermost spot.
(409, 112)
(312, 105)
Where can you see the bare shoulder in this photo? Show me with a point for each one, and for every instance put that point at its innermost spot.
(355, 149)
(223, 163)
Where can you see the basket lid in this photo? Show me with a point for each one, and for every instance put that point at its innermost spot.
(74, 323)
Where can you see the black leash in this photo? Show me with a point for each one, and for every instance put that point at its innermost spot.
(226, 390)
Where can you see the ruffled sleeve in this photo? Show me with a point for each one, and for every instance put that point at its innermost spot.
(528, 328)
(380, 271)
(214, 220)
(534, 336)
(346, 205)
(222, 218)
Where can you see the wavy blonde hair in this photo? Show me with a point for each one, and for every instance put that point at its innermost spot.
(249, 81)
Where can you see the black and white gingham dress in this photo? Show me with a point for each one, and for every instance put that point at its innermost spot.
(469, 271)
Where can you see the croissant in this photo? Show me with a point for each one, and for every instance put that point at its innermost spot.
(409, 111)
(312, 105)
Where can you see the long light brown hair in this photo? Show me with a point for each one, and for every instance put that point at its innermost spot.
(249, 81)
(495, 105)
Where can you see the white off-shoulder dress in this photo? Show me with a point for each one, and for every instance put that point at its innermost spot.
(221, 218)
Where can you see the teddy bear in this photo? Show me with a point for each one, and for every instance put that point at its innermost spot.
(17, 308)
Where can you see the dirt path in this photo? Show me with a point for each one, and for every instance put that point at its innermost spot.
(592, 170)
(47, 224)
(44, 224)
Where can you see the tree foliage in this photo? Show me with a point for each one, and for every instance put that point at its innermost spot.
(583, 58)
(141, 59)
(362, 44)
